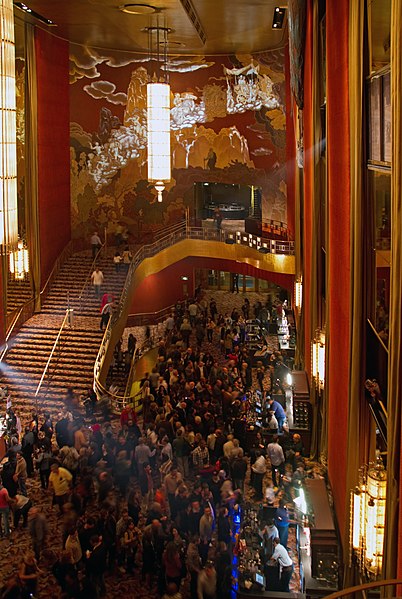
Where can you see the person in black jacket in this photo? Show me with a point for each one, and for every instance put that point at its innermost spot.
(96, 564)
(239, 471)
(224, 529)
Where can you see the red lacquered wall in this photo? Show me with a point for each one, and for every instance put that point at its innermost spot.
(338, 160)
(52, 63)
(166, 287)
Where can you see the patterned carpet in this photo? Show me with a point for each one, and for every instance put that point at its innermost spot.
(118, 585)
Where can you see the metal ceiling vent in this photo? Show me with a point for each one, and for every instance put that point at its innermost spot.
(192, 14)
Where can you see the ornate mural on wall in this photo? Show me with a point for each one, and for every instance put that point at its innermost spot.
(215, 105)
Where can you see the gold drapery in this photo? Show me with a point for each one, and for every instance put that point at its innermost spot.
(31, 160)
(395, 317)
(315, 202)
(299, 353)
(358, 418)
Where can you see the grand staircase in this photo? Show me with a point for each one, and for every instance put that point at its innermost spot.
(73, 360)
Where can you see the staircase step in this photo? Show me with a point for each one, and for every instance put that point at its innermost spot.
(31, 346)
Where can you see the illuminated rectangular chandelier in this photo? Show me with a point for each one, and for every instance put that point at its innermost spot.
(8, 135)
(158, 111)
(367, 518)
(318, 360)
(19, 262)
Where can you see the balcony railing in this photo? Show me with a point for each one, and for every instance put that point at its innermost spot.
(175, 234)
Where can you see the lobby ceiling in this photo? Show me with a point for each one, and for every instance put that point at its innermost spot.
(199, 26)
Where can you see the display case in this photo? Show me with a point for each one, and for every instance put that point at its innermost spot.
(302, 414)
(322, 573)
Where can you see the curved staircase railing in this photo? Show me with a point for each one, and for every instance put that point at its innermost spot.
(173, 235)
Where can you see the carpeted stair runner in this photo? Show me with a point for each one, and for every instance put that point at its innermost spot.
(73, 361)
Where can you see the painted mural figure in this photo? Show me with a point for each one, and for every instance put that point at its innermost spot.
(211, 159)
(107, 122)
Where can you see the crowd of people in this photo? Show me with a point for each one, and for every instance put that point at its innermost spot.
(153, 497)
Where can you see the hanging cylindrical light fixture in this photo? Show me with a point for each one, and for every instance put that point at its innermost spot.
(8, 135)
(158, 121)
(19, 262)
(158, 112)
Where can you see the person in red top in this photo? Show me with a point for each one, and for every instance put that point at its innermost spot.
(160, 497)
(4, 510)
(128, 414)
(172, 563)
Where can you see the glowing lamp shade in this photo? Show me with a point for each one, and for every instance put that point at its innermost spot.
(19, 262)
(158, 122)
(8, 136)
(358, 505)
(375, 518)
(318, 360)
(298, 294)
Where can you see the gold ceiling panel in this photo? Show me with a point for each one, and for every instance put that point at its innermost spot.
(230, 26)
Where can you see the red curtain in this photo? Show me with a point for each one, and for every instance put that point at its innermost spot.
(52, 64)
(338, 161)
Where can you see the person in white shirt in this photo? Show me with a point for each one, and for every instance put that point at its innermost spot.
(275, 454)
(97, 281)
(273, 423)
(268, 534)
(206, 584)
(281, 556)
(228, 447)
(95, 244)
(259, 469)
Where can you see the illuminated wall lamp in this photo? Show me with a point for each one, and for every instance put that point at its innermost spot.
(318, 360)
(298, 294)
(8, 135)
(19, 262)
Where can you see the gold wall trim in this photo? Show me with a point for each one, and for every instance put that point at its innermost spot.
(190, 248)
(383, 258)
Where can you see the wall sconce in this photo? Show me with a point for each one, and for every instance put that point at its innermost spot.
(19, 262)
(318, 360)
(8, 136)
(298, 294)
(367, 518)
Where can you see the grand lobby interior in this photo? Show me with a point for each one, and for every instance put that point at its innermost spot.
(274, 170)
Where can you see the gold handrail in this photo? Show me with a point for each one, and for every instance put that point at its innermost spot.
(364, 587)
(172, 236)
(119, 401)
(65, 320)
(131, 374)
(65, 253)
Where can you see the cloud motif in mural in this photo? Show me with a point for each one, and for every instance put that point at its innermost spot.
(261, 152)
(187, 65)
(106, 90)
(84, 60)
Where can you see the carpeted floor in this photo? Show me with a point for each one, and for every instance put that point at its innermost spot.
(118, 585)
